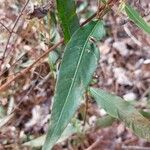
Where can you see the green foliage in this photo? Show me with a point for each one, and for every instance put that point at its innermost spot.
(38, 142)
(78, 65)
(79, 62)
(136, 18)
(68, 17)
(120, 109)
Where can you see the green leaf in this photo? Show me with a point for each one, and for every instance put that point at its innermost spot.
(68, 17)
(136, 18)
(123, 110)
(105, 121)
(38, 142)
(78, 65)
(52, 59)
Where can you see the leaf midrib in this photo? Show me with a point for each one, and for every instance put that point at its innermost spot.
(141, 23)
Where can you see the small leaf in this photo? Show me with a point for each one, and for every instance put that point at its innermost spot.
(78, 65)
(52, 58)
(123, 110)
(136, 18)
(68, 17)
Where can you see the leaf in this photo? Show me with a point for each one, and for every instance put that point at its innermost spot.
(136, 18)
(78, 65)
(120, 109)
(52, 59)
(38, 142)
(68, 17)
(105, 121)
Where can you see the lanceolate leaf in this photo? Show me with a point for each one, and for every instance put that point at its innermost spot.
(123, 110)
(68, 17)
(136, 18)
(78, 65)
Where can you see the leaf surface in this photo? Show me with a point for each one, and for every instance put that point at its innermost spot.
(105, 121)
(78, 65)
(123, 110)
(68, 17)
(136, 18)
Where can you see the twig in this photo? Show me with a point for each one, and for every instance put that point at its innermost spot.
(132, 36)
(12, 65)
(5, 27)
(23, 72)
(44, 80)
(5, 85)
(100, 13)
(94, 145)
(12, 30)
(89, 19)
(5, 120)
(33, 86)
